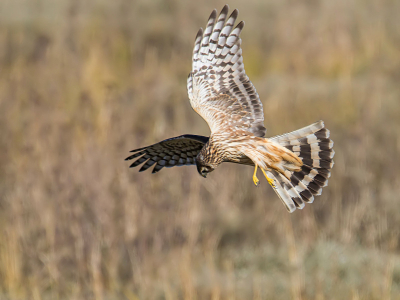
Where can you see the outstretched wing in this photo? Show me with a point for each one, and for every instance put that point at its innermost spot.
(218, 87)
(176, 151)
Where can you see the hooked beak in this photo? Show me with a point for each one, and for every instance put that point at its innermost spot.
(204, 175)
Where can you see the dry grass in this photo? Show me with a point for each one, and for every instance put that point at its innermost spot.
(84, 82)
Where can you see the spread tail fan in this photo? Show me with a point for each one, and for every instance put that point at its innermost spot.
(313, 146)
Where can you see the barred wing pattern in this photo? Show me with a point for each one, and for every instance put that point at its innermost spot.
(176, 151)
(218, 87)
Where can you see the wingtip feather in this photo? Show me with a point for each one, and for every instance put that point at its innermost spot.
(213, 14)
(240, 26)
(234, 14)
(225, 9)
(199, 33)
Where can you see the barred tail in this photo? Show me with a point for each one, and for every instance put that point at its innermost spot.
(313, 146)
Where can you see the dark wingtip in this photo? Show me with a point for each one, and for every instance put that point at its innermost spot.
(240, 25)
(199, 34)
(130, 157)
(225, 9)
(138, 149)
(234, 14)
(156, 169)
(134, 155)
(213, 15)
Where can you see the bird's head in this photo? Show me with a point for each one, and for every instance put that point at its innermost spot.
(204, 167)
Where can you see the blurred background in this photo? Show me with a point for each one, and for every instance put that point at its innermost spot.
(84, 82)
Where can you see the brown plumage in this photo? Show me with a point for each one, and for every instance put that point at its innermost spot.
(296, 164)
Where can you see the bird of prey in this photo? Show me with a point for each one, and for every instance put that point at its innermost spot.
(297, 164)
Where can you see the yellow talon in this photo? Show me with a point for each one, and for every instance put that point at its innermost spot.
(255, 179)
(270, 181)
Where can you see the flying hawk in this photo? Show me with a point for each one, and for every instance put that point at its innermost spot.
(297, 164)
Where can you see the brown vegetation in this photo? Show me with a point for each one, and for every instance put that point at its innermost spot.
(84, 82)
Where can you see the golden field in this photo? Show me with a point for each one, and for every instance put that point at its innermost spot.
(84, 82)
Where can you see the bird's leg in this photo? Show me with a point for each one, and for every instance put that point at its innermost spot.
(255, 179)
(270, 181)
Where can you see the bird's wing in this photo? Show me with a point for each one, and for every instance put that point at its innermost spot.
(176, 151)
(218, 87)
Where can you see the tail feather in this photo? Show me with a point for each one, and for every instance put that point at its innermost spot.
(287, 138)
(302, 189)
(286, 192)
(313, 146)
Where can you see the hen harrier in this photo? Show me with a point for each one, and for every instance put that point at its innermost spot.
(297, 164)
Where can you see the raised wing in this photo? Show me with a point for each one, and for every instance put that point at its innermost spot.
(176, 151)
(218, 87)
